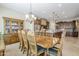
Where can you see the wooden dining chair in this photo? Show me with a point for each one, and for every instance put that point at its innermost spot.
(26, 45)
(2, 45)
(35, 50)
(56, 49)
(21, 40)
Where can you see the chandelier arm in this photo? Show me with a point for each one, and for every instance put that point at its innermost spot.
(30, 5)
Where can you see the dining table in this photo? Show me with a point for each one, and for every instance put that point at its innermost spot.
(46, 42)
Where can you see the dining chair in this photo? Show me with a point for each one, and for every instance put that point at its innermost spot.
(26, 45)
(35, 50)
(56, 49)
(2, 45)
(20, 39)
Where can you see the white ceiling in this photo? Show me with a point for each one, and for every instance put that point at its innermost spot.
(45, 10)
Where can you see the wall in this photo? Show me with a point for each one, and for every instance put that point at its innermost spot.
(8, 13)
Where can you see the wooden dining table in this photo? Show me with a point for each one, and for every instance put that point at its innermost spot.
(46, 42)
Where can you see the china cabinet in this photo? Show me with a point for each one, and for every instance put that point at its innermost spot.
(11, 26)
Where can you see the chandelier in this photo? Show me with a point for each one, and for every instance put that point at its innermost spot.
(30, 15)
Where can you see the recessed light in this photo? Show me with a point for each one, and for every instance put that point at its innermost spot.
(63, 12)
(65, 16)
(59, 5)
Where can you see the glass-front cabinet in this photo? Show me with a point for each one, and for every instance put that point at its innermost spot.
(11, 26)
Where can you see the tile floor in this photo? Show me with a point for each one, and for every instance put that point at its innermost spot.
(71, 46)
(13, 50)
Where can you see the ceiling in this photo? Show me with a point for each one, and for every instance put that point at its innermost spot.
(46, 10)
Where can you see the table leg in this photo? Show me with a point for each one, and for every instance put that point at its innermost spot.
(47, 52)
(3, 52)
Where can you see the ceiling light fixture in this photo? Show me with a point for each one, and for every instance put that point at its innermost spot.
(30, 15)
(63, 12)
(65, 16)
(59, 5)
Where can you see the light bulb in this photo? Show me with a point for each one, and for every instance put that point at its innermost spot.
(59, 5)
(26, 15)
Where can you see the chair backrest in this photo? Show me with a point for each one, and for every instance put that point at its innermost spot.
(57, 34)
(32, 44)
(20, 37)
(24, 36)
(58, 39)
